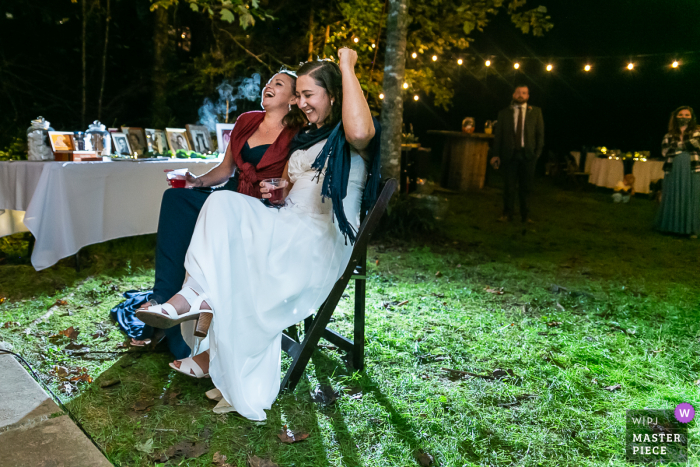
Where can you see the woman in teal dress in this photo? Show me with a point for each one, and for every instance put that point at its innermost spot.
(680, 201)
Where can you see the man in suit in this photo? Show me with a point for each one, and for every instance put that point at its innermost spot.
(518, 143)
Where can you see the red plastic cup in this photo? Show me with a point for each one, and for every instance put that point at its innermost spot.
(176, 178)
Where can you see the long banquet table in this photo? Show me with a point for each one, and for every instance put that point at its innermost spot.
(69, 205)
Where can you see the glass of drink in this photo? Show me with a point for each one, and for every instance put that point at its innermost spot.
(176, 178)
(276, 187)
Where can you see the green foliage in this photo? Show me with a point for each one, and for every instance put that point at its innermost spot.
(16, 151)
(226, 9)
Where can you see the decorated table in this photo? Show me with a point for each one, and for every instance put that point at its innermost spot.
(69, 205)
(607, 173)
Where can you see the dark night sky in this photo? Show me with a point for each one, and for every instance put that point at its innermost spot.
(609, 106)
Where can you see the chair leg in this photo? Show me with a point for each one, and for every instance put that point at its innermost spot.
(358, 354)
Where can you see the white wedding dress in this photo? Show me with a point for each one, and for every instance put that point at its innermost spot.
(264, 270)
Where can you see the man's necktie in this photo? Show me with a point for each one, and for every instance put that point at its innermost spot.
(519, 129)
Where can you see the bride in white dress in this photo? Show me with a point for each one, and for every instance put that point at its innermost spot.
(259, 270)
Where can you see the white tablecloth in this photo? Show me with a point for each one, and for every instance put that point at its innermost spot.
(69, 205)
(590, 156)
(607, 172)
(646, 172)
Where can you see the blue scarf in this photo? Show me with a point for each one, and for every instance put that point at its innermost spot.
(335, 184)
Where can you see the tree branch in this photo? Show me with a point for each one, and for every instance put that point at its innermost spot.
(246, 50)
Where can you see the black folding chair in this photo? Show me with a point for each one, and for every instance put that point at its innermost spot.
(315, 327)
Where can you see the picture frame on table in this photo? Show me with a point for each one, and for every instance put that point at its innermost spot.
(136, 137)
(62, 141)
(223, 135)
(157, 139)
(200, 138)
(121, 144)
(177, 139)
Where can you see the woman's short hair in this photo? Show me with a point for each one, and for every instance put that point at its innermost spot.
(326, 74)
(674, 128)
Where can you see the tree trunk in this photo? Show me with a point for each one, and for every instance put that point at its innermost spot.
(394, 72)
(104, 65)
(160, 77)
(311, 35)
(82, 114)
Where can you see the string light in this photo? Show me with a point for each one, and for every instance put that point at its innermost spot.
(516, 65)
(415, 98)
(414, 55)
(587, 68)
(381, 96)
(630, 66)
(488, 63)
(357, 39)
(674, 64)
(405, 85)
(549, 67)
(435, 58)
(374, 45)
(459, 61)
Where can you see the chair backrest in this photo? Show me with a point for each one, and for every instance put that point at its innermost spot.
(369, 224)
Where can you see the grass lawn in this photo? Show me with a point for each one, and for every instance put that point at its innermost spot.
(592, 299)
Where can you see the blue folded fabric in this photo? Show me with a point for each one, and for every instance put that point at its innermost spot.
(125, 314)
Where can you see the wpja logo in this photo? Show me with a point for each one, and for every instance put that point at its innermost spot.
(658, 435)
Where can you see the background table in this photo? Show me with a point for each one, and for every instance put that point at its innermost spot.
(69, 205)
(590, 157)
(464, 159)
(607, 172)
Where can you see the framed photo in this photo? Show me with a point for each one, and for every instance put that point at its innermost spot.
(62, 141)
(200, 138)
(177, 139)
(136, 137)
(157, 139)
(121, 144)
(223, 135)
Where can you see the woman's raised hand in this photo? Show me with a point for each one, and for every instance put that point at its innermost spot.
(347, 57)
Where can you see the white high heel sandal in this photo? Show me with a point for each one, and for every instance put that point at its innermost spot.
(187, 364)
(153, 316)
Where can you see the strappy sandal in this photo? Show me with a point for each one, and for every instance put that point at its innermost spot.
(154, 316)
(187, 364)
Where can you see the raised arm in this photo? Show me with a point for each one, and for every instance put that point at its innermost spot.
(357, 119)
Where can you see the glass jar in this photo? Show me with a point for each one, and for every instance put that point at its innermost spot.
(38, 140)
(98, 139)
(79, 138)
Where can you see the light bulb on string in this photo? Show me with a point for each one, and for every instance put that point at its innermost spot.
(374, 45)
(415, 98)
(357, 39)
(459, 61)
(549, 67)
(587, 68)
(516, 65)
(381, 95)
(630, 66)
(435, 58)
(675, 64)
(414, 55)
(487, 63)
(405, 85)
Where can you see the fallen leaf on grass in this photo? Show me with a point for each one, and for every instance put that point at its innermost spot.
(613, 388)
(70, 333)
(60, 303)
(98, 334)
(146, 446)
(552, 324)
(10, 324)
(495, 291)
(325, 394)
(255, 461)
(424, 459)
(2, 300)
(220, 460)
(142, 405)
(376, 263)
(185, 449)
(289, 437)
(66, 388)
(438, 274)
(402, 303)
